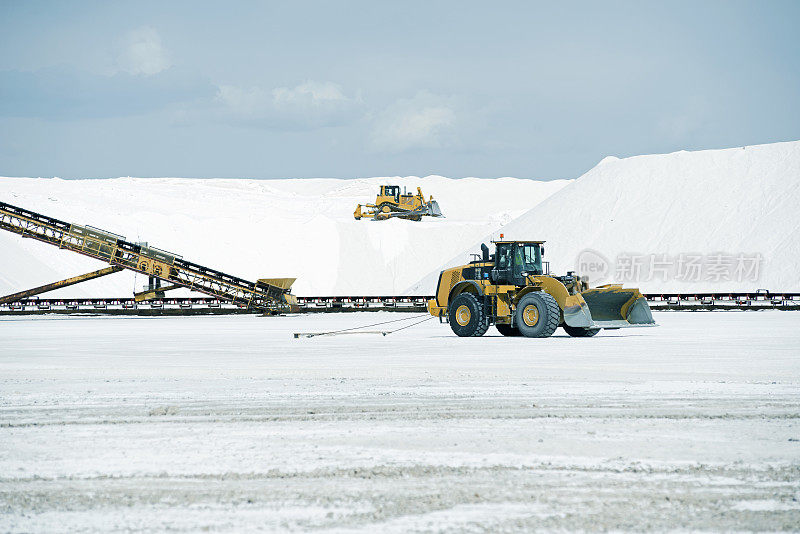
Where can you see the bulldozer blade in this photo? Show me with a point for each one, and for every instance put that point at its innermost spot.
(608, 307)
(434, 210)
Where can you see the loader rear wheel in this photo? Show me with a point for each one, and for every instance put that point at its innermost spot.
(467, 317)
(508, 330)
(579, 331)
(537, 315)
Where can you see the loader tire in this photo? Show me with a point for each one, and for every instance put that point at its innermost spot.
(579, 331)
(508, 330)
(537, 315)
(466, 316)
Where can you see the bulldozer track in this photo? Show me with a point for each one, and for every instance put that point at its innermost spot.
(759, 300)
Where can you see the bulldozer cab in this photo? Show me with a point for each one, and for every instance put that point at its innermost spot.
(515, 261)
(391, 191)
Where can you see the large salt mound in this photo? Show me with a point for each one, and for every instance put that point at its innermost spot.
(739, 202)
(261, 228)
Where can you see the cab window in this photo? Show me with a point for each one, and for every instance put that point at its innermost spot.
(528, 258)
(504, 256)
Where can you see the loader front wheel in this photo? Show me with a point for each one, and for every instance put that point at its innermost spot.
(537, 315)
(579, 331)
(467, 317)
(508, 330)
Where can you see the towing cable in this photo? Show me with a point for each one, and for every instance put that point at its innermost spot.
(356, 329)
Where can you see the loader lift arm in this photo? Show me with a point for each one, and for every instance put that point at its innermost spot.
(115, 250)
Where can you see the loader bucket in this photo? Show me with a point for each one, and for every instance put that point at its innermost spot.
(608, 307)
(434, 210)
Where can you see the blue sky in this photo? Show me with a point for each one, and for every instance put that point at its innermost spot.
(353, 89)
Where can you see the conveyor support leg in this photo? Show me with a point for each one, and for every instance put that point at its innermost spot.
(58, 285)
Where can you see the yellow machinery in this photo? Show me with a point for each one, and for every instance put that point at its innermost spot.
(513, 290)
(391, 203)
(271, 295)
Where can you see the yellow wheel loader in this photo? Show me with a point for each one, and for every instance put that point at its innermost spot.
(391, 203)
(514, 291)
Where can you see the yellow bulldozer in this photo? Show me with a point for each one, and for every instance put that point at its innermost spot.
(514, 290)
(390, 203)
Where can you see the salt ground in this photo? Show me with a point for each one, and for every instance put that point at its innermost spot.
(230, 424)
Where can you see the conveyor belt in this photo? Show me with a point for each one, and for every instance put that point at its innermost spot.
(761, 300)
(115, 250)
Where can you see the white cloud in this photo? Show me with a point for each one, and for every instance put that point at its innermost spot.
(308, 94)
(425, 121)
(243, 101)
(308, 105)
(143, 53)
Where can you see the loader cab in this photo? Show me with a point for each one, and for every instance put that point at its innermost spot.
(515, 260)
(391, 191)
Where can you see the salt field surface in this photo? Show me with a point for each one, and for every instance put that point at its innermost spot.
(229, 424)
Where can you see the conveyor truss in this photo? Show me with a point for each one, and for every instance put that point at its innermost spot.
(268, 295)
